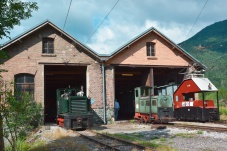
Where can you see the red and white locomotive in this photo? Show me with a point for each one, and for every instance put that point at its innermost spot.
(190, 103)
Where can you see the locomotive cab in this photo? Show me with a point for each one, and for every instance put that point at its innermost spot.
(150, 108)
(189, 106)
(73, 110)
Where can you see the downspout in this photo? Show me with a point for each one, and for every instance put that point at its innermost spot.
(104, 93)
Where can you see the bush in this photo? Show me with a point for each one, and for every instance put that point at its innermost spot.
(20, 115)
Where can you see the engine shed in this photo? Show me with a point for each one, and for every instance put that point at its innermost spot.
(45, 58)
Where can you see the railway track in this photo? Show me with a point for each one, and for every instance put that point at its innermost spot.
(106, 142)
(189, 126)
(205, 128)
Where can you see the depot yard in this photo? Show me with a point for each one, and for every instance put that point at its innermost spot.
(169, 138)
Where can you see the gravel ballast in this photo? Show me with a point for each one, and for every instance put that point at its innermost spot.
(176, 138)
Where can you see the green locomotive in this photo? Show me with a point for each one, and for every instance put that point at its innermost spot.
(150, 108)
(73, 109)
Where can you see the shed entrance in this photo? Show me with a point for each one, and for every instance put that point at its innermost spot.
(127, 78)
(60, 76)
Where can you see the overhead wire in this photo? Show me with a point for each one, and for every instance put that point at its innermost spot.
(196, 20)
(102, 22)
(64, 23)
(67, 15)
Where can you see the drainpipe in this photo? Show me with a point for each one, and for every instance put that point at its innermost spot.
(104, 93)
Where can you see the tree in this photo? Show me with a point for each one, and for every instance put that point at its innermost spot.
(11, 13)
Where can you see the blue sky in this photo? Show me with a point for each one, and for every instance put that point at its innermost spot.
(129, 18)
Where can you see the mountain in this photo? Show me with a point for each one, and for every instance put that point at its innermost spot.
(209, 46)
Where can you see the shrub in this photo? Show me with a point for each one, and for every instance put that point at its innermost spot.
(20, 115)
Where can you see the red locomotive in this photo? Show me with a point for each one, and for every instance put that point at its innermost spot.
(188, 106)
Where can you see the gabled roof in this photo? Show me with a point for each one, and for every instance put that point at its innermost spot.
(152, 29)
(47, 22)
(203, 84)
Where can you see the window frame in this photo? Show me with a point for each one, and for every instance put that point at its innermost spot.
(48, 45)
(26, 84)
(150, 49)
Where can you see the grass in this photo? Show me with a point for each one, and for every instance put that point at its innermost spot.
(185, 135)
(154, 142)
(132, 121)
(25, 146)
(199, 132)
(223, 110)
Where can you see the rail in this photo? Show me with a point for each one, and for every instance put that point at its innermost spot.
(110, 142)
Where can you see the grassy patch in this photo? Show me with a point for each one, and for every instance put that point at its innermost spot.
(199, 132)
(223, 110)
(154, 142)
(132, 121)
(24, 146)
(185, 135)
(163, 139)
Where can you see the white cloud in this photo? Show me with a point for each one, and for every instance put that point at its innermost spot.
(128, 19)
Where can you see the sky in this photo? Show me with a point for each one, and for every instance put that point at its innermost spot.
(105, 25)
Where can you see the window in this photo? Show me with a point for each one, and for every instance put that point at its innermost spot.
(24, 83)
(150, 49)
(148, 103)
(137, 93)
(48, 45)
(142, 103)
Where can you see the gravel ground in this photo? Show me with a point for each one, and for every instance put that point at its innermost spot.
(178, 139)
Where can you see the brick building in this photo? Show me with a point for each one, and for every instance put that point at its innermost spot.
(46, 58)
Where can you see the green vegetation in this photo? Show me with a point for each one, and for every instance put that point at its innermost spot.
(154, 142)
(132, 121)
(223, 110)
(209, 46)
(25, 146)
(186, 135)
(20, 115)
(199, 132)
(12, 12)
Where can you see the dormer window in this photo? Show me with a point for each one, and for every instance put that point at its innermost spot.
(150, 49)
(48, 46)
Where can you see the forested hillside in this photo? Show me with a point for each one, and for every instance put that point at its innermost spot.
(209, 46)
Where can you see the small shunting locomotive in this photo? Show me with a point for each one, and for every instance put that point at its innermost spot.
(73, 109)
(150, 108)
(190, 103)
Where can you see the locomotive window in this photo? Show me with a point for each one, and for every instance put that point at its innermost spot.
(137, 93)
(153, 102)
(148, 103)
(145, 92)
(142, 103)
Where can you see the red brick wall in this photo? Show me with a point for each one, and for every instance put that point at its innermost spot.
(136, 53)
(26, 57)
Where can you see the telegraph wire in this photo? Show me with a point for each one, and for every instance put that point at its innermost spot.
(64, 22)
(102, 22)
(67, 15)
(197, 19)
